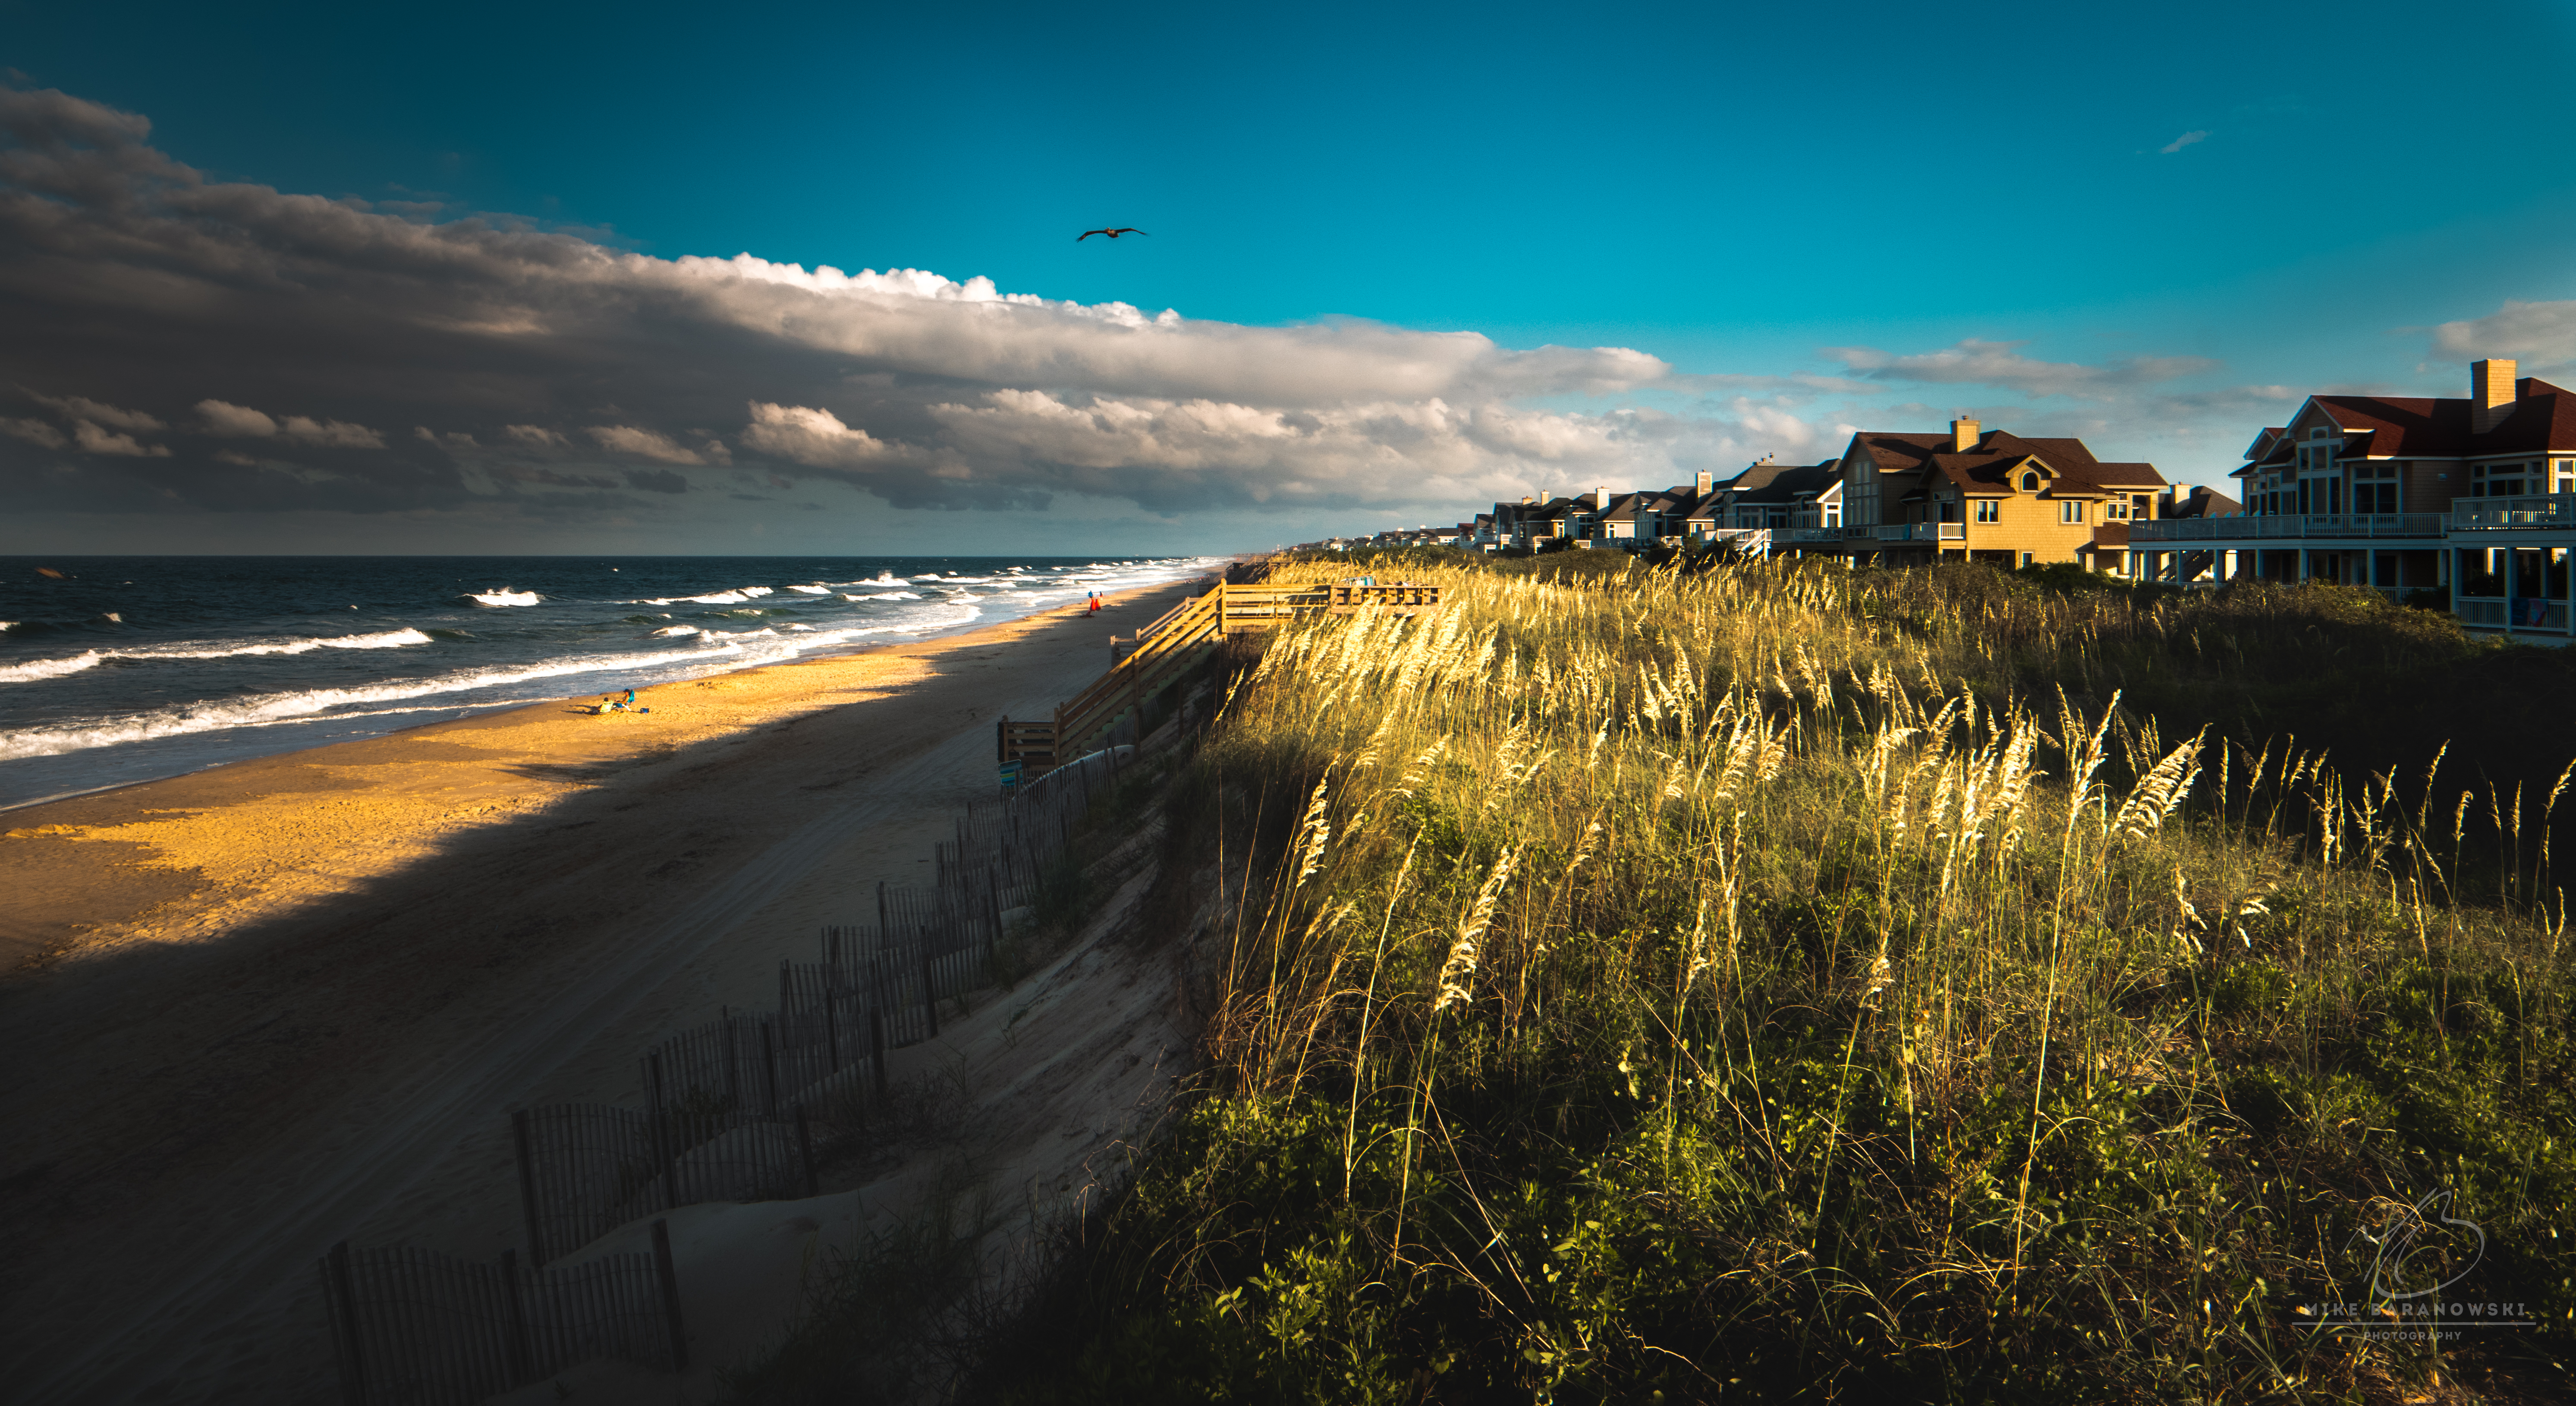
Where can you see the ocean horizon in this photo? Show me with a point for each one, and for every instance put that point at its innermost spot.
(119, 670)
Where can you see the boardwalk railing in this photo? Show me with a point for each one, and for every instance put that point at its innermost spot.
(1166, 649)
(417, 1328)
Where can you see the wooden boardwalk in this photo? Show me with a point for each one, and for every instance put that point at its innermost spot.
(1163, 651)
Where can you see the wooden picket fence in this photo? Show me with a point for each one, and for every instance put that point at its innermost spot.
(727, 1115)
(413, 1327)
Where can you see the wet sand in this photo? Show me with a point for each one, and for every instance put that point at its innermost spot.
(262, 1008)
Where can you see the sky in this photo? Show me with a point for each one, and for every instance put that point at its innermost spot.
(652, 279)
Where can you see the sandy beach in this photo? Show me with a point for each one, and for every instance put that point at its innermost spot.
(262, 1008)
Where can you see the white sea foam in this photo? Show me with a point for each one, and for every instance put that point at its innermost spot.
(736, 596)
(8, 624)
(813, 590)
(262, 709)
(35, 669)
(887, 595)
(498, 598)
(56, 668)
(675, 631)
(382, 639)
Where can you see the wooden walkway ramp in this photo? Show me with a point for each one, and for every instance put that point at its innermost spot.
(1163, 651)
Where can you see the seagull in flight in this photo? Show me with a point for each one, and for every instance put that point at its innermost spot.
(1112, 233)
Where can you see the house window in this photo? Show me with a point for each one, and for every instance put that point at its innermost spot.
(2116, 510)
(2562, 475)
(2028, 557)
(2030, 481)
(2071, 511)
(1990, 510)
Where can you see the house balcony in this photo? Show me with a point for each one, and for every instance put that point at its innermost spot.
(2555, 510)
(2524, 613)
(1931, 532)
(2285, 526)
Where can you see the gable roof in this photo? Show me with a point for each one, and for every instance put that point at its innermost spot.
(1898, 452)
(1769, 483)
(2542, 420)
(2072, 467)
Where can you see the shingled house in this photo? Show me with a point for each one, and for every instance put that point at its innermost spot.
(1992, 496)
(2475, 495)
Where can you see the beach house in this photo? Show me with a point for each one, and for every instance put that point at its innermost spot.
(2469, 501)
(1976, 494)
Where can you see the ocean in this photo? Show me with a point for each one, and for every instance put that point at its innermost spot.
(115, 670)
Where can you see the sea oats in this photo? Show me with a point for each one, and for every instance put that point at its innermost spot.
(1460, 968)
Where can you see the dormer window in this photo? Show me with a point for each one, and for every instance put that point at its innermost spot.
(2030, 481)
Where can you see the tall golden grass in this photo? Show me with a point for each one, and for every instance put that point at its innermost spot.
(1720, 982)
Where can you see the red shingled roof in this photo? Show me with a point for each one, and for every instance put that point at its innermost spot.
(2542, 420)
(2403, 424)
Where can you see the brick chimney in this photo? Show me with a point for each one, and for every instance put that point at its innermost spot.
(2491, 393)
(1963, 434)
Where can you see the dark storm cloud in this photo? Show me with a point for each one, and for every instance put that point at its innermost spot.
(174, 343)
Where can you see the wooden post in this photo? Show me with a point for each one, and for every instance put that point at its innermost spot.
(528, 1186)
(521, 1368)
(769, 1064)
(876, 1050)
(670, 1295)
(882, 929)
(347, 1341)
(732, 1058)
(664, 1151)
(831, 1033)
(929, 993)
(805, 1149)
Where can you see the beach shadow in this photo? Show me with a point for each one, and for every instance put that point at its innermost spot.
(166, 1086)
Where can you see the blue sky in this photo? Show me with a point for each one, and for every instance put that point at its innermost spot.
(1732, 190)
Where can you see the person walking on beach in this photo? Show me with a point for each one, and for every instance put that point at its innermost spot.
(1095, 602)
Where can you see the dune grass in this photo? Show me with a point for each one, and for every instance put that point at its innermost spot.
(1763, 983)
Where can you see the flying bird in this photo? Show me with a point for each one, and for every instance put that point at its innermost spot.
(1112, 233)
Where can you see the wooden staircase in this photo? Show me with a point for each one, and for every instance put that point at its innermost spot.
(1171, 646)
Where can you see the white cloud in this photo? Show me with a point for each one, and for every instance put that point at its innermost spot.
(643, 444)
(75, 407)
(2180, 142)
(2542, 333)
(592, 363)
(35, 432)
(814, 438)
(225, 418)
(94, 440)
(331, 434)
(1976, 362)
